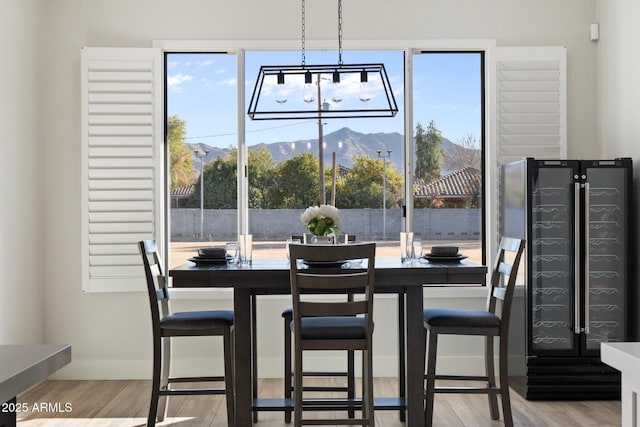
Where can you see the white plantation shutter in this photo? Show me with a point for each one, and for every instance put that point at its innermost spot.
(121, 164)
(531, 103)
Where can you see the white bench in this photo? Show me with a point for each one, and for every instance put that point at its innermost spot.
(625, 357)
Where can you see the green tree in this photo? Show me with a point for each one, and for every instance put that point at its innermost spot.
(429, 153)
(297, 182)
(220, 189)
(180, 160)
(362, 186)
(262, 179)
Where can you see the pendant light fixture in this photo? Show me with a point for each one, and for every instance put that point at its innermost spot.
(274, 96)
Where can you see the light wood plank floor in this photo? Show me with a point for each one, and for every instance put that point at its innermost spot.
(125, 403)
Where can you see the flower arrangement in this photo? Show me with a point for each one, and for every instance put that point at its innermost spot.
(322, 220)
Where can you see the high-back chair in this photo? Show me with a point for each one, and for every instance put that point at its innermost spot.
(350, 385)
(327, 322)
(166, 324)
(492, 322)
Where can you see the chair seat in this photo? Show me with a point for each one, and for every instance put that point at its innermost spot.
(332, 327)
(452, 318)
(197, 320)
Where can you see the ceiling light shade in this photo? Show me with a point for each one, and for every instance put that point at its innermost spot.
(381, 102)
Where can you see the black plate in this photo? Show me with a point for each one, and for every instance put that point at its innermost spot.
(200, 260)
(440, 258)
(325, 264)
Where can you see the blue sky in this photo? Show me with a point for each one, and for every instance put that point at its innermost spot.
(201, 89)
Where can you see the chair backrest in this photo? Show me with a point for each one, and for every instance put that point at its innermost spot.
(329, 280)
(503, 276)
(157, 287)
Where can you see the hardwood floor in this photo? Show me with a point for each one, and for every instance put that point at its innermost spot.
(124, 403)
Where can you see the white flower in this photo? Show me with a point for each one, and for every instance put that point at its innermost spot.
(321, 220)
(331, 212)
(309, 214)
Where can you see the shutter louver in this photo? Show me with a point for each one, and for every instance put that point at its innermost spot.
(122, 164)
(531, 103)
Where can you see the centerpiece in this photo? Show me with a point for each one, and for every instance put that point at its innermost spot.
(322, 220)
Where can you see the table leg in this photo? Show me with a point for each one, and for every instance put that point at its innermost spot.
(402, 368)
(242, 356)
(415, 357)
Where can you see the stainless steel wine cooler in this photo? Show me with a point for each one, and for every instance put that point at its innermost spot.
(575, 217)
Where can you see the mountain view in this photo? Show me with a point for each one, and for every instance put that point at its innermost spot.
(354, 144)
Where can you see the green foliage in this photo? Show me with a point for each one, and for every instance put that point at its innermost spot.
(262, 179)
(298, 181)
(361, 187)
(429, 153)
(293, 184)
(220, 189)
(180, 160)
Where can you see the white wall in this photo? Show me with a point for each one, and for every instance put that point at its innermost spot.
(619, 94)
(110, 332)
(21, 249)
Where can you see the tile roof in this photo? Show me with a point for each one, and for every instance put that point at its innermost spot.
(463, 183)
(182, 191)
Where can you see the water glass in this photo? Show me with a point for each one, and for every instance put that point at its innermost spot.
(417, 250)
(232, 250)
(406, 246)
(246, 249)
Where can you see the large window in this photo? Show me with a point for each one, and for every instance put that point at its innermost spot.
(367, 177)
(448, 131)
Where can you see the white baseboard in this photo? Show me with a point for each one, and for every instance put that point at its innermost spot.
(82, 369)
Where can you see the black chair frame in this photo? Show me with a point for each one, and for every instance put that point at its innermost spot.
(181, 324)
(487, 324)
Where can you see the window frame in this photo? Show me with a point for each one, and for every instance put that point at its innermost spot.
(409, 48)
(513, 126)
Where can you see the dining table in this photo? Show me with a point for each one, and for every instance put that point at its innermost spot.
(271, 277)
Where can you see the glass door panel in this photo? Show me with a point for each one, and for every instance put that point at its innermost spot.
(552, 256)
(606, 249)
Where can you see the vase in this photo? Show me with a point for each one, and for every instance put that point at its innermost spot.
(310, 239)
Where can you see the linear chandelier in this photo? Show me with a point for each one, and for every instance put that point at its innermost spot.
(285, 92)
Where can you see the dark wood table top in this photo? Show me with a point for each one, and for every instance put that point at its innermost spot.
(272, 274)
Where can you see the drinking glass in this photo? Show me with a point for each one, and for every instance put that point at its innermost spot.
(406, 245)
(417, 250)
(246, 249)
(233, 252)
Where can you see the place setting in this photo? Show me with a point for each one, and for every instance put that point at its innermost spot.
(211, 255)
(448, 254)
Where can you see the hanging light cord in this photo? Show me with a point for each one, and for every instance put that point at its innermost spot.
(303, 35)
(339, 31)
(304, 59)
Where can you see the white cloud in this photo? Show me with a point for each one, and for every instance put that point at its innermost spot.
(205, 64)
(228, 82)
(174, 83)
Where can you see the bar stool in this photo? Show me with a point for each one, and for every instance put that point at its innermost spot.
(443, 321)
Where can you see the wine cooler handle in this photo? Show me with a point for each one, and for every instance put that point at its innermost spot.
(576, 240)
(587, 269)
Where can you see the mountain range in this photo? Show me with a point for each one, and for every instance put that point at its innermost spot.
(347, 144)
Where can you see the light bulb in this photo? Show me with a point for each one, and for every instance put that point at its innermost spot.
(281, 90)
(308, 94)
(365, 91)
(337, 88)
